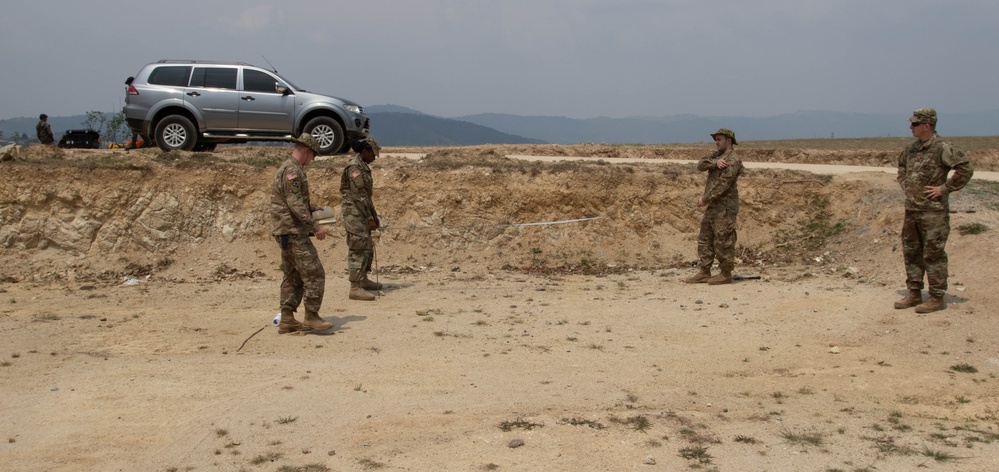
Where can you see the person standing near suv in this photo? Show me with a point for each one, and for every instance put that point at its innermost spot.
(922, 172)
(134, 142)
(292, 226)
(43, 130)
(360, 218)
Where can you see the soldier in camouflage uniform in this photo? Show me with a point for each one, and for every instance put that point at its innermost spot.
(923, 167)
(292, 225)
(44, 130)
(360, 218)
(721, 197)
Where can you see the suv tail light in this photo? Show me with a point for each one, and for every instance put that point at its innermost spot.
(131, 90)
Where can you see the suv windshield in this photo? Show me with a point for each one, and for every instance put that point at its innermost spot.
(288, 82)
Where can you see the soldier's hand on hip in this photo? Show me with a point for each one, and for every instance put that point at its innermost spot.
(321, 233)
(932, 192)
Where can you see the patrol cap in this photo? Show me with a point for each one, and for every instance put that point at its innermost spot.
(366, 143)
(724, 132)
(374, 145)
(308, 141)
(924, 115)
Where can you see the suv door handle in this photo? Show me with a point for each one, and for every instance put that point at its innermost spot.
(194, 94)
(248, 98)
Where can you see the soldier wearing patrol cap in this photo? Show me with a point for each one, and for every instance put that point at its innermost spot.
(360, 218)
(923, 169)
(292, 226)
(717, 237)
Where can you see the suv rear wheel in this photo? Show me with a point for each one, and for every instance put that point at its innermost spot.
(328, 133)
(174, 133)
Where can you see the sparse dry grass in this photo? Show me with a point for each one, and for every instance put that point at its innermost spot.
(802, 439)
(519, 423)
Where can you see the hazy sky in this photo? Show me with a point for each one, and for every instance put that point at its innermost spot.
(576, 58)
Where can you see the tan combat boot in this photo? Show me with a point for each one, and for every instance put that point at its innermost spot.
(914, 298)
(370, 284)
(314, 322)
(358, 293)
(700, 278)
(933, 303)
(289, 324)
(721, 279)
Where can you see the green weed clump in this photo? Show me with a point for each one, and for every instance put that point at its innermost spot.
(972, 228)
(964, 368)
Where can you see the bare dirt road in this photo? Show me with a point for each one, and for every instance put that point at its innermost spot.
(134, 286)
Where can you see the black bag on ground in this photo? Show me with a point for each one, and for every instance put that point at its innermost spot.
(79, 138)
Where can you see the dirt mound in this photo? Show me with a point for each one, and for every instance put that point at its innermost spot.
(94, 213)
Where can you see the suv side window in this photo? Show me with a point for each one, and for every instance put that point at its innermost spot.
(175, 76)
(214, 77)
(257, 81)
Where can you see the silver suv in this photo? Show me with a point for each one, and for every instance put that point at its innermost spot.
(194, 105)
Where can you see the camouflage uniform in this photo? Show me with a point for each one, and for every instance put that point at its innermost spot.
(356, 187)
(292, 225)
(927, 221)
(721, 195)
(44, 131)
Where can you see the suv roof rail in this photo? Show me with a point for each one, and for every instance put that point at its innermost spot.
(187, 61)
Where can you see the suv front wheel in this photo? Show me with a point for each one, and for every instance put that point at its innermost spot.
(328, 133)
(174, 133)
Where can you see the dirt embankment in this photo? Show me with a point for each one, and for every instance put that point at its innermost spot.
(86, 216)
(882, 152)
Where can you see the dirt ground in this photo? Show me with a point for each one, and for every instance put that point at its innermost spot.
(137, 292)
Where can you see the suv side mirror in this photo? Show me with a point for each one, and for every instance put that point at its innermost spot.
(282, 88)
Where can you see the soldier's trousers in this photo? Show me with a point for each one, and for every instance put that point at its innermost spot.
(360, 254)
(924, 237)
(717, 238)
(304, 275)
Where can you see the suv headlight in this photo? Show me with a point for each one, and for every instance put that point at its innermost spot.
(355, 109)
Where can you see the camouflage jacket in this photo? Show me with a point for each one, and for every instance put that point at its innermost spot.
(44, 131)
(356, 187)
(927, 164)
(291, 210)
(721, 189)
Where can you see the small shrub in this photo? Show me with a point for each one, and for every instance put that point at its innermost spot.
(697, 453)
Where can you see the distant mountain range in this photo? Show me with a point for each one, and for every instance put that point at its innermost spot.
(395, 125)
(683, 128)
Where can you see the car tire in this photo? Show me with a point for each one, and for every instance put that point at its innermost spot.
(344, 148)
(175, 133)
(328, 133)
